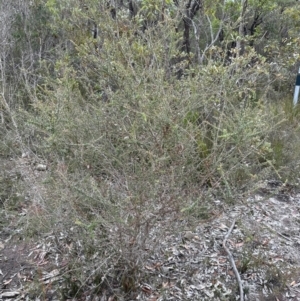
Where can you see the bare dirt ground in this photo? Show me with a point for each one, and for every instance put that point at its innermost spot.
(264, 243)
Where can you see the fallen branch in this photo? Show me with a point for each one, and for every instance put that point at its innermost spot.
(237, 275)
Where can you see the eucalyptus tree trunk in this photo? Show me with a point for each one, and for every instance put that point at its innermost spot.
(240, 46)
(192, 7)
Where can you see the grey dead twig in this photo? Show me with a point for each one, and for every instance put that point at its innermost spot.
(237, 275)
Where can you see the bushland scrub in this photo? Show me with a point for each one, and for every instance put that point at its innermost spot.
(137, 132)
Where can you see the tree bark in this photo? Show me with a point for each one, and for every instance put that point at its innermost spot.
(192, 7)
(240, 46)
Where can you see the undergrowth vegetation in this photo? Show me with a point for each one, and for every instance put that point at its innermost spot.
(137, 135)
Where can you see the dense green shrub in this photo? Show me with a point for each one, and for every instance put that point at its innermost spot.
(137, 132)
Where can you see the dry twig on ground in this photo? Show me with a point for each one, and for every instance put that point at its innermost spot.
(237, 275)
